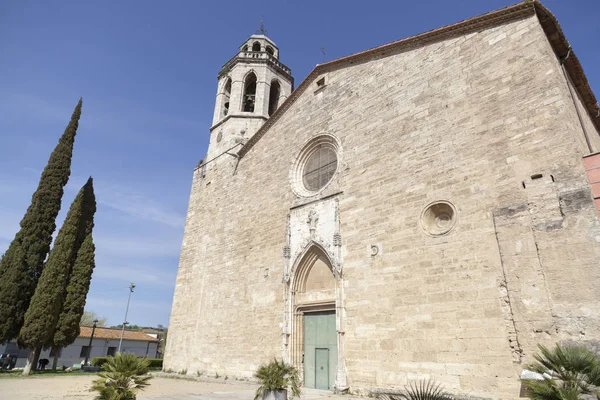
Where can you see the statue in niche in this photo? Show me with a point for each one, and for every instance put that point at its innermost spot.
(312, 221)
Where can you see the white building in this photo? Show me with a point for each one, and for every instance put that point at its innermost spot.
(104, 343)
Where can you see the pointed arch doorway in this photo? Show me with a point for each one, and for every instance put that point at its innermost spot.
(314, 342)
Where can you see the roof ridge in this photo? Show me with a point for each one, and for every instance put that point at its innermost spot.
(513, 10)
(103, 332)
(468, 22)
(505, 14)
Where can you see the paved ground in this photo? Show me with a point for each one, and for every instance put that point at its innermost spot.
(77, 387)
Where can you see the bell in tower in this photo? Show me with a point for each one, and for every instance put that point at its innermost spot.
(252, 85)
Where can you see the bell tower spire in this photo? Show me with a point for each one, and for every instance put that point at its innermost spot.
(251, 86)
(261, 29)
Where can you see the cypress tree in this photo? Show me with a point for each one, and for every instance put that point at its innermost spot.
(23, 261)
(67, 329)
(47, 301)
(67, 326)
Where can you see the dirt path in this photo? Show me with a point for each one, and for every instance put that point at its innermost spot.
(77, 387)
(51, 387)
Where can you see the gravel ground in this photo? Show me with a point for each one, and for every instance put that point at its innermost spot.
(77, 387)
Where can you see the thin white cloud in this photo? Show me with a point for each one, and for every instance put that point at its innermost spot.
(140, 206)
(97, 117)
(131, 202)
(9, 226)
(138, 246)
(94, 301)
(148, 275)
(18, 188)
(34, 171)
(24, 104)
(3, 245)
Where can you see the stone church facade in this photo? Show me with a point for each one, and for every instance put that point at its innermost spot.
(420, 210)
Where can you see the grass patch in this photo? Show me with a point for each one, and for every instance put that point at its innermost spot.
(10, 372)
(19, 373)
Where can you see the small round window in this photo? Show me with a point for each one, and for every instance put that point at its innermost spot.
(315, 166)
(319, 168)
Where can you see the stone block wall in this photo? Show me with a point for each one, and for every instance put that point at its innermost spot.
(482, 121)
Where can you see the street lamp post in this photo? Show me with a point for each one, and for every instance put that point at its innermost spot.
(89, 349)
(131, 287)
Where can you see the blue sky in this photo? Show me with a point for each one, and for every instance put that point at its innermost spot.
(147, 73)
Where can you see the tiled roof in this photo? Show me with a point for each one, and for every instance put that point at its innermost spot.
(522, 9)
(115, 333)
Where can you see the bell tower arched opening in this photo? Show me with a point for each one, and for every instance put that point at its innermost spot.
(274, 93)
(226, 97)
(249, 98)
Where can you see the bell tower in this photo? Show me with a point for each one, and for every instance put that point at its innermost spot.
(251, 86)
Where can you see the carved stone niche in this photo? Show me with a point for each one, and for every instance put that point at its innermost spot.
(317, 223)
(438, 218)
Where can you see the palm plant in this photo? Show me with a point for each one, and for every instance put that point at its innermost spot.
(568, 372)
(424, 390)
(277, 375)
(123, 376)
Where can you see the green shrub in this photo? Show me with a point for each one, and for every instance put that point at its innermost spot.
(425, 390)
(123, 376)
(568, 372)
(156, 363)
(277, 375)
(99, 361)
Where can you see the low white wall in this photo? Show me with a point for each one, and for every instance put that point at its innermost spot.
(72, 354)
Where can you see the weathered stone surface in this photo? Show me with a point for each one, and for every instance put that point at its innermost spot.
(484, 121)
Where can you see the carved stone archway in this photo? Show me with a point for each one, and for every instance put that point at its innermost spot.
(314, 285)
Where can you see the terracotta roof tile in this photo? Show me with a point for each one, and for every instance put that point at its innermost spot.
(115, 333)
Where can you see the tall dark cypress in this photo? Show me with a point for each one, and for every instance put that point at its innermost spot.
(47, 301)
(67, 326)
(67, 329)
(22, 263)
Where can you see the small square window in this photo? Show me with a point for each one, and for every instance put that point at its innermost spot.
(111, 351)
(321, 82)
(84, 351)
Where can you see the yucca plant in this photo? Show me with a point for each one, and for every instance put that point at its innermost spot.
(277, 376)
(122, 377)
(568, 373)
(424, 390)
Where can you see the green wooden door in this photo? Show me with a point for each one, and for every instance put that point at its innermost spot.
(320, 350)
(322, 368)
